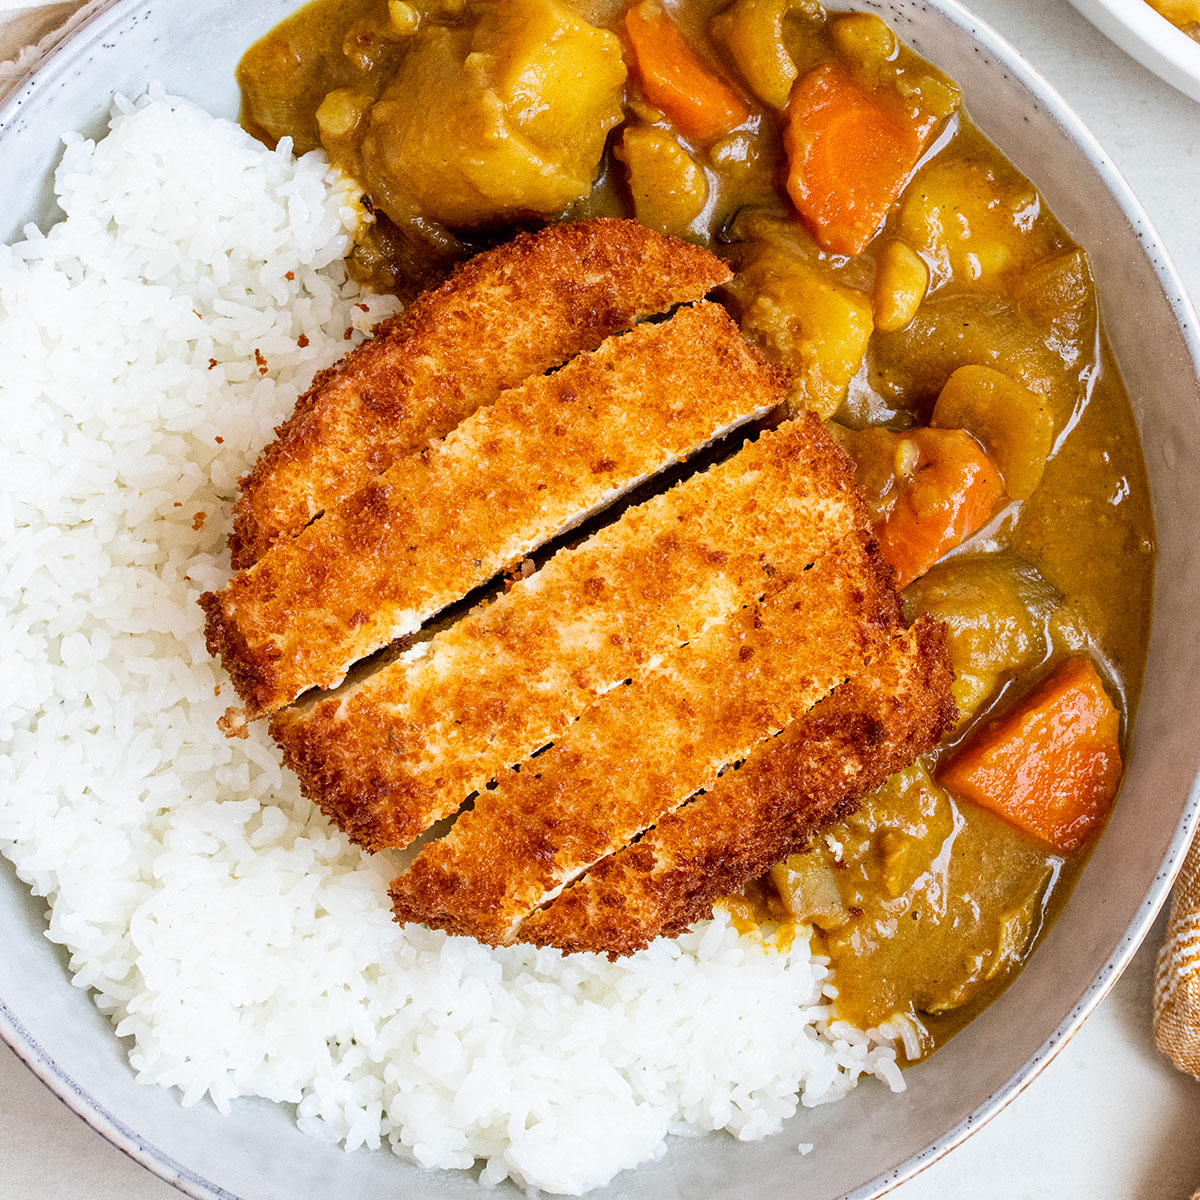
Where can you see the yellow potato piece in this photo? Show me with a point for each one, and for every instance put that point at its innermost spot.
(871, 50)
(494, 121)
(340, 112)
(901, 281)
(863, 37)
(971, 222)
(752, 32)
(1013, 424)
(669, 189)
(808, 323)
(404, 18)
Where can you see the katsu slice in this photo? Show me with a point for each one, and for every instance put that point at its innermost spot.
(789, 786)
(508, 313)
(436, 524)
(391, 754)
(645, 748)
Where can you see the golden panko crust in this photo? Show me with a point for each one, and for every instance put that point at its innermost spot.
(442, 521)
(788, 787)
(655, 716)
(644, 749)
(391, 754)
(515, 311)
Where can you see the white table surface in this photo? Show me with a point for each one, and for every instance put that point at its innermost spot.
(1109, 1118)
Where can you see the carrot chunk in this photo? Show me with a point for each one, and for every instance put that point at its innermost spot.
(697, 102)
(946, 488)
(1050, 766)
(850, 151)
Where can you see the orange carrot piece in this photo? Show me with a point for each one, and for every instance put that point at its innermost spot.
(1050, 766)
(951, 490)
(850, 152)
(673, 79)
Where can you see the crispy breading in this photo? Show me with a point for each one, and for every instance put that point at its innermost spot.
(788, 787)
(646, 747)
(440, 522)
(509, 313)
(391, 754)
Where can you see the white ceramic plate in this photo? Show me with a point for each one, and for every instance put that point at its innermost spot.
(1149, 37)
(873, 1139)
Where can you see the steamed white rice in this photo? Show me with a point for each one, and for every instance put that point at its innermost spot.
(242, 945)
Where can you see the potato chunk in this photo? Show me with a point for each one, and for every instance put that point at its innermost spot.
(802, 318)
(972, 222)
(901, 281)
(1012, 423)
(669, 188)
(500, 120)
(863, 38)
(752, 31)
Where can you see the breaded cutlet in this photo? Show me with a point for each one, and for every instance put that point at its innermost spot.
(647, 747)
(518, 310)
(390, 754)
(438, 523)
(789, 786)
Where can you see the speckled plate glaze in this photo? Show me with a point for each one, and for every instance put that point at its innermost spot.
(1150, 38)
(873, 1140)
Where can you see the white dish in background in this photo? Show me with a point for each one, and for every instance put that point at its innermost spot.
(872, 1140)
(1146, 35)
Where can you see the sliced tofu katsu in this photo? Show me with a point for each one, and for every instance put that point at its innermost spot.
(509, 313)
(388, 756)
(647, 747)
(438, 523)
(788, 787)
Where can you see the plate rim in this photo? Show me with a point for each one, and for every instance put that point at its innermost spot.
(1143, 33)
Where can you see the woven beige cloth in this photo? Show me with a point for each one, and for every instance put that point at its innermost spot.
(1177, 974)
(29, 32)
